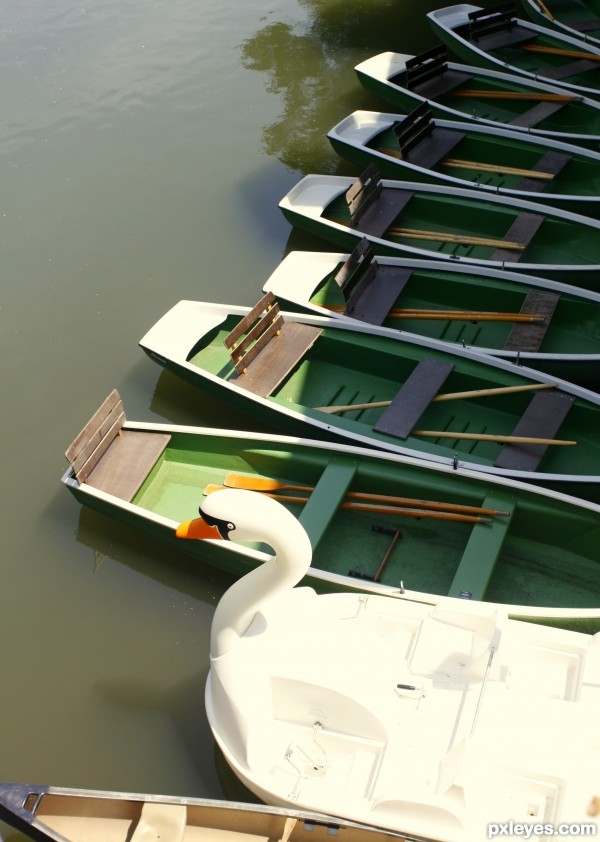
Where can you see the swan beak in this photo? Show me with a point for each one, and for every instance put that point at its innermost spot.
(198, 529)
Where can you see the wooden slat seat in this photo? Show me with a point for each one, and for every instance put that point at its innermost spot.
(522, 231)
(573, 68)
(110, 458)
(370, 289)
(542, 419)
(483, 549)
(528, 336)
(161, 821)
(421, 142)
(550, 162)
(373, 208)
(428, 74)
(268, 347)
(413, 397)
(495, 27)
(536, 114)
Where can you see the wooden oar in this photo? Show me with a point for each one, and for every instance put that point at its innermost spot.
(381, 509)
(446, 396)
(458, 163)
(484, 166)
(545, 9)
(448, 434)
(447, 237)
(373, 508)
(451, 315)
(558, 51)
(266, 484)
(518, 95)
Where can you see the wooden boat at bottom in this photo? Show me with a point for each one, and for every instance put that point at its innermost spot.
(61, 814)
(452, 532)
(431, 721)
(414, 396)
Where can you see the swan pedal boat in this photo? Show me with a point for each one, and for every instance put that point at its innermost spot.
(538, 557)
(433, 721)
(62, 814)
(339, 382)
(435, 221)
(576, 18)
(398, 295)
(495, 37)
(419, 147)
(462, 92)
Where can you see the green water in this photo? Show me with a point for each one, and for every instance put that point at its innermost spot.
(144, 148)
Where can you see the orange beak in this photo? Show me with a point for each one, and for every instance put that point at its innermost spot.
(198, 529)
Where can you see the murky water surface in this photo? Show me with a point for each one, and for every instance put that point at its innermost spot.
(144, 147)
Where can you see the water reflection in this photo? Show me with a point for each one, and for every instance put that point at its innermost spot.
(311, 69)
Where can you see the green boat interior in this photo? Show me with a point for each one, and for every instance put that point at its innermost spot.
(472, 156)
(497, 31)
(521, 549)
(336, 367)
(416, 299)
(486, 98)
(448, 224)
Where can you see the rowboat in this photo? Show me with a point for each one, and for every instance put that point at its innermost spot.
(577, 18)
(496, 38)
(537, 322)
(419, 147)
(421, 720)
(63, 814)
(488, 97)
(539, 557)
(413, 219)
(320, 375)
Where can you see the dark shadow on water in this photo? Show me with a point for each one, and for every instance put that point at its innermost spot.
(311, 68)
(107, 538)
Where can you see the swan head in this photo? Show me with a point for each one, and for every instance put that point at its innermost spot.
(234, 514)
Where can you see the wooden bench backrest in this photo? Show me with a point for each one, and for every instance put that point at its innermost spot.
(426, 66)
(369, 288)
(494, 19)
(414, 127)
(255, 330)
(260, 362)
(365, 190)
(358, 269)
(96, 437)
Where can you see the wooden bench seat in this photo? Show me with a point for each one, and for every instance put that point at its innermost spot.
(370, 289)
(110, 458)
(265, 348)
(428, 74)
(573, 68)
(550, 162)
(536, 114)
(528, 336)
(542, 419)
(483, 549)
(495, 27)
(328, 493)
(522, 231)
(413, 398)
(161, 821)
(373, 208)
(421, 142)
